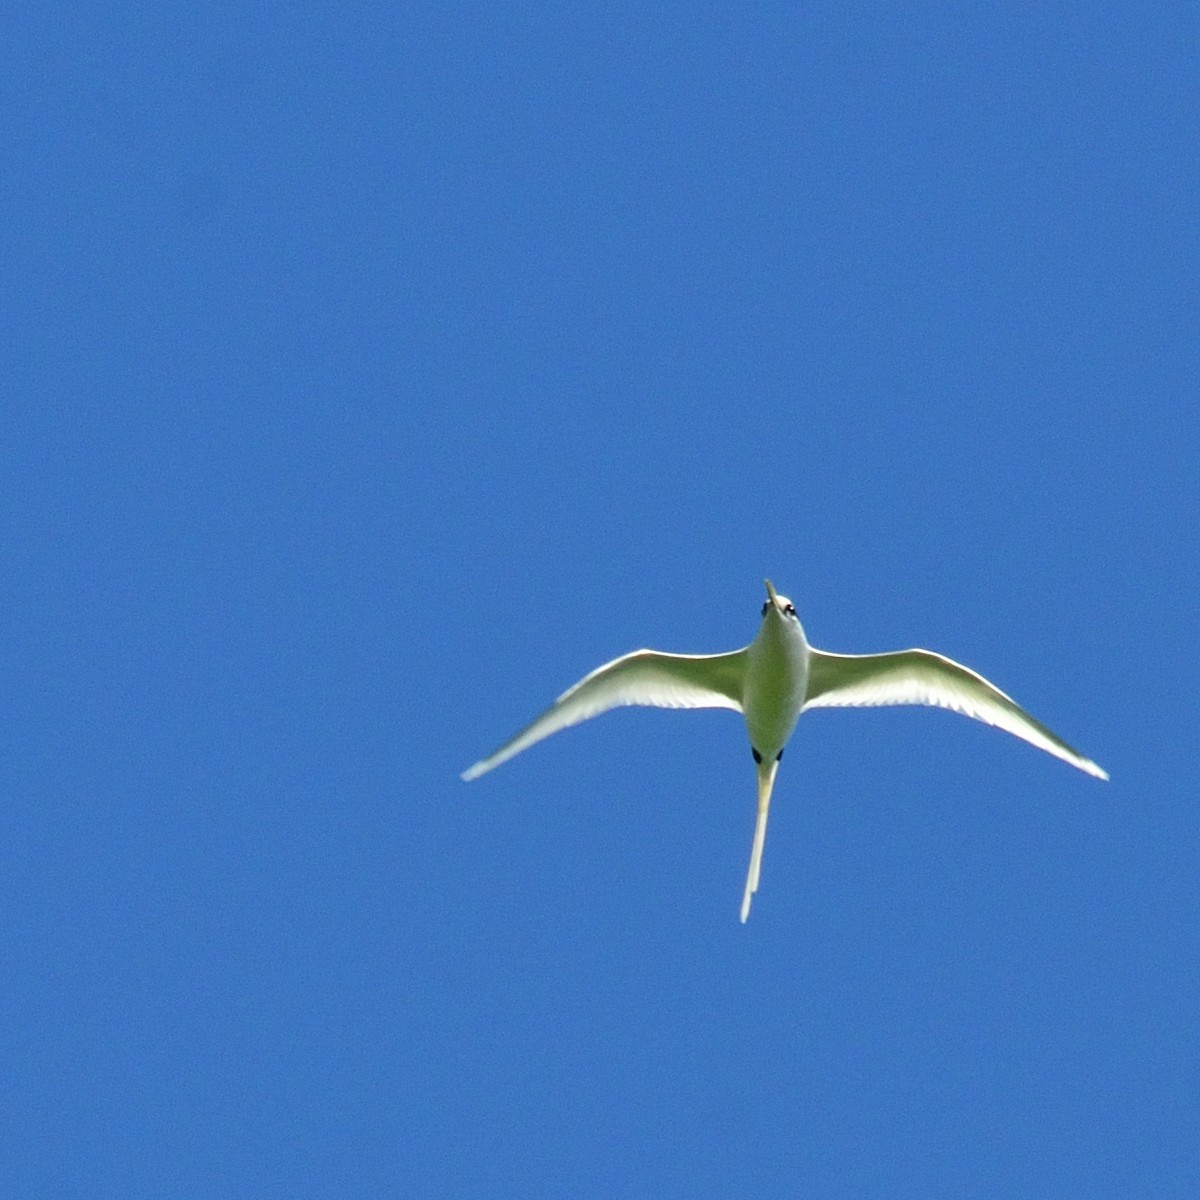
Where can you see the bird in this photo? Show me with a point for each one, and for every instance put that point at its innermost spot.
(771, 682)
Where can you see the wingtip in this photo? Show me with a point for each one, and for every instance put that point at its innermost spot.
(472, 772)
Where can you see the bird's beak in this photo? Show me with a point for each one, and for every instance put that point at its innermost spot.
(771, 593)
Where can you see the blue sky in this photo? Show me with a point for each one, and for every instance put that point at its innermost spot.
(373, 372)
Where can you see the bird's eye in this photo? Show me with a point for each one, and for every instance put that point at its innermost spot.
(765, 607)
(790, 609)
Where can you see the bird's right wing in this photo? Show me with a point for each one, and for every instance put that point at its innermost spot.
(923, 677)
(645, 677)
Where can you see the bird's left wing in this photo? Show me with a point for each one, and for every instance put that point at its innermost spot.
(923, 677)
(645, 677)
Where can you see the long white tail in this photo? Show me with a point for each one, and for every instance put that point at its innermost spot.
(766, 781)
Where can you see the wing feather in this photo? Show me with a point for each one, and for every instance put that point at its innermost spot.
(923, 677)
(645, 677)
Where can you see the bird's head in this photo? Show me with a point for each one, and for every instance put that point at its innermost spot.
(778, 604)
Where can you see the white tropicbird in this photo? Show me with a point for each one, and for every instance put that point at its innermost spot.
(771, 682)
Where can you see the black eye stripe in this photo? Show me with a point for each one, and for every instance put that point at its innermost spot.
(790, 609)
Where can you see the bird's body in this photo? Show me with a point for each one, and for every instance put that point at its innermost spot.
(776, 682)
(771, 682)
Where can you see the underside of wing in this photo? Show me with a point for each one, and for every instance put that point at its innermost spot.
(645, 677)
(923, 677)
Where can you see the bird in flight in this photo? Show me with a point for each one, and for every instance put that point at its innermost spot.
(771, 682)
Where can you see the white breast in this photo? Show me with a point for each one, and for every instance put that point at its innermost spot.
(776, 683)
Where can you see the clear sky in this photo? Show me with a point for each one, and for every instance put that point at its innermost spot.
(370, 373)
